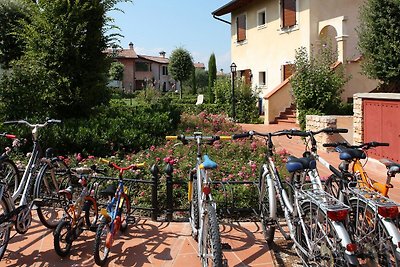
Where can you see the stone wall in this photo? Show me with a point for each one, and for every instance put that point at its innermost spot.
(315, 123)
(358, 120)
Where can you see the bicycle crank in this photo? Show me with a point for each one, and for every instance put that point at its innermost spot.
(23, 221)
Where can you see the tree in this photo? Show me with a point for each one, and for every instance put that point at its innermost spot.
(180, 66)
(194, 81)
(69, 52)
(316, 85)
(11, 13)
(212, 76)
(379, 41)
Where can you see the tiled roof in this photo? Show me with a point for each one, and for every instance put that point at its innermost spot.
(123, 53)
(199, 65)
(161, 60)
(231, 6)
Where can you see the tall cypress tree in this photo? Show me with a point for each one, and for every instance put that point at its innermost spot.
(379, 41)
(212, 76)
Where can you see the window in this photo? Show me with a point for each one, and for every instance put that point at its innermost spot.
(142, 66)
(288, 13)
(261, 18)
(241, 27)
(261, 78)
(164, 70)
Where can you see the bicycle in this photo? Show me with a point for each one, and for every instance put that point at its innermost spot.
(315, 219)
(115, 216)
(203, 215)
(30, 190)
(373, 217)
(80, 214)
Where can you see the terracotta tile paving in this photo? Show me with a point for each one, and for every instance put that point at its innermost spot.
(145, 243)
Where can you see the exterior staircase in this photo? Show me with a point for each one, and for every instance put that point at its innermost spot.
(287, 116)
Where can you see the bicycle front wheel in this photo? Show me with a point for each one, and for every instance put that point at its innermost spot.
(326, 249)
(267, 223)
(211, 248)
(102, 243)
(371, 235)
(5, 227)
(10, 174)
(51, 179)
(63, 238)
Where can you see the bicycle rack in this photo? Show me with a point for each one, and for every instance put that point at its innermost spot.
(323, 199)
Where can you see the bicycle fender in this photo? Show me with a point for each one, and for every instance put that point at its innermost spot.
(393, 231)
(344, 237)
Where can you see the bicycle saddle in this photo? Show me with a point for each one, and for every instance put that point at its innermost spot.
(392, 166)
(208, 163)
(350, 153)
(298, 164)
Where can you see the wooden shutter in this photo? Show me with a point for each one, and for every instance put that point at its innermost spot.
(241, 28)
(288, 13)
(287, 71)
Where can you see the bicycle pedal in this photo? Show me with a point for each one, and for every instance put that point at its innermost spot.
(226, 246)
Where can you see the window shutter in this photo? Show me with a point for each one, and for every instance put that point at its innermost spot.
(287, 70)
(241, 28)
(289, 13)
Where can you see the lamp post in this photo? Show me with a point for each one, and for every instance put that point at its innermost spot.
(233, 72)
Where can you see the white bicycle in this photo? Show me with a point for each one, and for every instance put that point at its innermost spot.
(203, 215)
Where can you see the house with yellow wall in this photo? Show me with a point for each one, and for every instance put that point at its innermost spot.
(266, 33)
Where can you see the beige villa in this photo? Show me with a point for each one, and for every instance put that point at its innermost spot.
(266, 33)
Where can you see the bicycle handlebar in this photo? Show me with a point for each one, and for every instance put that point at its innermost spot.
(9, 136)
(291, 132)
(38, 125)
(195, 137)
(130, 167)
(363, 145)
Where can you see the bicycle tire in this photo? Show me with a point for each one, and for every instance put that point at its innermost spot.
(327, 248)
(50, 211)
(332, 186)
(211, 241)
(124, 213)
(100, 250)
(4, 230)
(62, 238)
(194, 208)
(10, 174)
(91, 212)
(265, 212)
(375, 242)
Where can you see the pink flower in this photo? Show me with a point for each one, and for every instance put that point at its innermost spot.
(152, 148)
(142, 194)
(253, 145)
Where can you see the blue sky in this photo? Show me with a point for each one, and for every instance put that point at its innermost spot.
(156, 25)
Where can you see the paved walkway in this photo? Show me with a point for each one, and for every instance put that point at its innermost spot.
(145, 243)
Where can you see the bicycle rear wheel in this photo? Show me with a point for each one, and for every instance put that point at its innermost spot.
(5, 227)
(211, 240)
(52, 177)
(325, 243)
(373, 239)
(101, 248)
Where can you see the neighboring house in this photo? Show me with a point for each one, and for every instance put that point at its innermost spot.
(141, 70)
(199, 65)
(266, 33)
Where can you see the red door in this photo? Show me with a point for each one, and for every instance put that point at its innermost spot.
(382, 124)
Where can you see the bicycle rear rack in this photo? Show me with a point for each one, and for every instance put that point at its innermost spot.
(324, 200)
(370, 196)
